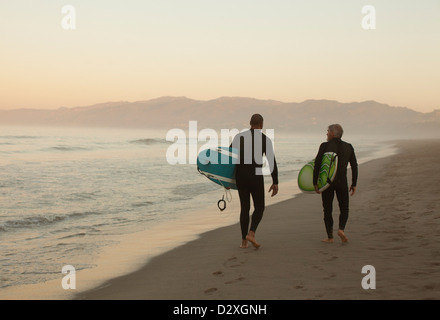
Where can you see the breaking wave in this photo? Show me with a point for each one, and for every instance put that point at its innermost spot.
(40, 220)
(149, 141)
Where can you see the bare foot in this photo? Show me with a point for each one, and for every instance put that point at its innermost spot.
(342, 235)
(328, 240)
(244, 244)
(251, 238)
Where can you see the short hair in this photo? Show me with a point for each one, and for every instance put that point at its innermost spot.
(337, 130)
(256, 119)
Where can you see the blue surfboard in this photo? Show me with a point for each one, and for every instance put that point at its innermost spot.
(218, 165)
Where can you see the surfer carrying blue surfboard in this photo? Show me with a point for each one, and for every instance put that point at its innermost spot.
(345, 153)
(252, 144)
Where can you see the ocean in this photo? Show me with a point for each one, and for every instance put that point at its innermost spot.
(69, 194)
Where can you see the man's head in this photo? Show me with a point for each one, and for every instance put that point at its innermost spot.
(256, 121)
(334, 131)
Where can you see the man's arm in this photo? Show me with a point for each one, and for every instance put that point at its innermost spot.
(318, 161)
(270, 156)
(354, 171)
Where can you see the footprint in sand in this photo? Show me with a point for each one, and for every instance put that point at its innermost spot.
(235, 280)
(317, 268)
(233, 263)
(329, 276)
(397, 248)
(210, 291)
(430, 286)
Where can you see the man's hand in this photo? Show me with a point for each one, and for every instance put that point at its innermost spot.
(317, 189)
(352, 190)
(274, 189)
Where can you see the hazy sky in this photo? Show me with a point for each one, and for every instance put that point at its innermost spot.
(287, 50)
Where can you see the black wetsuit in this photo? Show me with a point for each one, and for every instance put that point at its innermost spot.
(346, 155)
(252, 144)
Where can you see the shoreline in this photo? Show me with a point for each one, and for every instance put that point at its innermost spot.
(130, 253)
(293, 263)
(130, 257)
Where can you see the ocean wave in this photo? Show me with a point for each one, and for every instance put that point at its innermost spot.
(82, 196)
(39, 272)
(149, 141)
(32, 221)
(40, 221)
(142, 204)
(19, 137)
(66, 148)
(80, 234)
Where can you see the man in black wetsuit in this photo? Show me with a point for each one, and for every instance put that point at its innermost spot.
(252, 144)
(339, 186)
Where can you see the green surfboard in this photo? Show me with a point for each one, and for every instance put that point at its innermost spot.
(329, 167)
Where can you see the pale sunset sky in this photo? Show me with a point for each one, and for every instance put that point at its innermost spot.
(286, 50)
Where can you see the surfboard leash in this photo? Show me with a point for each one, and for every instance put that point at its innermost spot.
(221, 204)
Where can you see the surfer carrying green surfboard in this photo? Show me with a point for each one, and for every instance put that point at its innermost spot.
(345, 153)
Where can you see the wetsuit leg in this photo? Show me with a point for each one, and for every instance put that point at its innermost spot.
(327, 202)
(245, 202)
(257, 192)
(343, 199)
(248, 184)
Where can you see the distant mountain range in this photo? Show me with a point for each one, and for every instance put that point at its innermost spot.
(368, 117)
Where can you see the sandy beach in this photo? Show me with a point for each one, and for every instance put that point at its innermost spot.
(394, 226)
